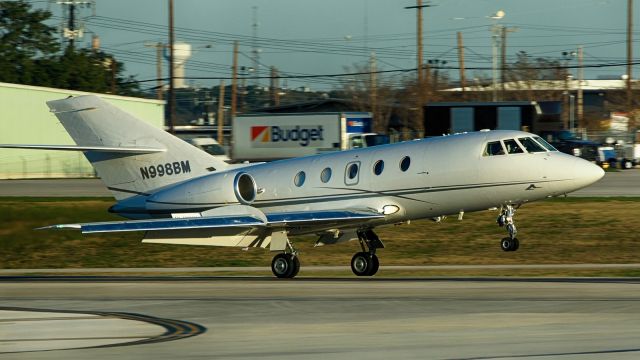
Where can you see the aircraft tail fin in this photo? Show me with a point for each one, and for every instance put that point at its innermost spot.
(131, 156)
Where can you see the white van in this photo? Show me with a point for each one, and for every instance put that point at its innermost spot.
(209, 145)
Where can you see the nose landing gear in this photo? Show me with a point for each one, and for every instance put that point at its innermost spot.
(505, 219)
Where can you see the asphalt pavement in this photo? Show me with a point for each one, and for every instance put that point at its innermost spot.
(317, 318)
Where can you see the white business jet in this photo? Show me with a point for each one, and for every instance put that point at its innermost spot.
(178, 194)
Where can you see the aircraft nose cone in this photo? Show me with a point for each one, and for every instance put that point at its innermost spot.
(587, 173)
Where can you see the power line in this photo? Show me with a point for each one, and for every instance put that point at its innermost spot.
(395, 71)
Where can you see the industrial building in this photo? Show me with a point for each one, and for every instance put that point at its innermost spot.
(25, 119)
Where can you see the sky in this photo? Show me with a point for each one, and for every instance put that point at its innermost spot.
(338, 36)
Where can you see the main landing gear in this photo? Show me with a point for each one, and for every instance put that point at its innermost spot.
(286, 265)
(366, 263)
(510, 243)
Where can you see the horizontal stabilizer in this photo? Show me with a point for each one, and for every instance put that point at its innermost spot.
(105, 149)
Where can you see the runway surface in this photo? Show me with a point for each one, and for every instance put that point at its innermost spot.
(311, 269)
(621, 183)
(318, 318)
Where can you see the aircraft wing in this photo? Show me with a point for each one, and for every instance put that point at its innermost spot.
(278, 220)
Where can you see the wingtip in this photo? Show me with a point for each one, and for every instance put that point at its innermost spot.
(61, 226)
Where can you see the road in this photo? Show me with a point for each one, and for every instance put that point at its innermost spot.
(621, 183)
(317, 318)
(618, 183)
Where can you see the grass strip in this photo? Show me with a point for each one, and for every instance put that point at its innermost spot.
(557, 231)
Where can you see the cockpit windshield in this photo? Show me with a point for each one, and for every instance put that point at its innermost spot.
(544, 143)
(533, 144)
(493, 148)
(530, 145)
(512, 147)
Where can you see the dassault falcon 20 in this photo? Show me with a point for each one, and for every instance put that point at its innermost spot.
(178, 194)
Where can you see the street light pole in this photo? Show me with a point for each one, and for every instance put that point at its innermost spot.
(496, 33)
(172, 93)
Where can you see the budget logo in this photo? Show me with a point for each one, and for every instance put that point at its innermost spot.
(260, 133)
(286, 136)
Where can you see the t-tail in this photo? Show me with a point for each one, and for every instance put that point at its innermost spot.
(130, 156)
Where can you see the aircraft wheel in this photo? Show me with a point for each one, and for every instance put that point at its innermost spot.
(285, 266)
(375, 265)
(362, 264)
(515, 244)
(505, 244)
(296, 266)
(509, 244)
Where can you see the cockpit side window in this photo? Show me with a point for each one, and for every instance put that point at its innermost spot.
(493, 148)
(512, 147)
(530, 145)
(546, 145)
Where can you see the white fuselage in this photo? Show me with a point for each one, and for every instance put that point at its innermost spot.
(445, 175)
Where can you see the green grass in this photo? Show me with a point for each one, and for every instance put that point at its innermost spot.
(564, 230)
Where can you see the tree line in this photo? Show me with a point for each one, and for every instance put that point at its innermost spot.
(30, 54)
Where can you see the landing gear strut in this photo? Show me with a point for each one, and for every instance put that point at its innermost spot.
(286, 265)
(510, 243)
(366, 263)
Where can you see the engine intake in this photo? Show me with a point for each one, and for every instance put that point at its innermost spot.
(245, 188)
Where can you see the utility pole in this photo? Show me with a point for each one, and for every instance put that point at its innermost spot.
(220, 118)
(463, 82)
(234, 80)
(373, 87)
(255, 51)
(172, 93)
(274, 88)
(419, 43)
(503, 59)
(114, 70)
(566, 114)
(427, 78)
(494, 50)
(72, 23)
(72, 26)
(580, 80)
(159, 47)
(503, 56)
(496, 32)
(419, 62)
(629, 62)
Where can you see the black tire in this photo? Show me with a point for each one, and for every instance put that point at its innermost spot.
(375, 265)
(516, 244)
(506, 244)
(296, 266)
(283, 266)
(362, 264)
(626, 164)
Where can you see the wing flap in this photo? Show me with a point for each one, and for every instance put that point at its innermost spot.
(105, 149)
(299, 218)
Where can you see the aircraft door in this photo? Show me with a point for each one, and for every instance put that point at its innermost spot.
(352, 173)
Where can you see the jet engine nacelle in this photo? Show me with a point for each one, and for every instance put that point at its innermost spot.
(206, 192)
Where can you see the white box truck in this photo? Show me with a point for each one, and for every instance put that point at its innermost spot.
(266, 137)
